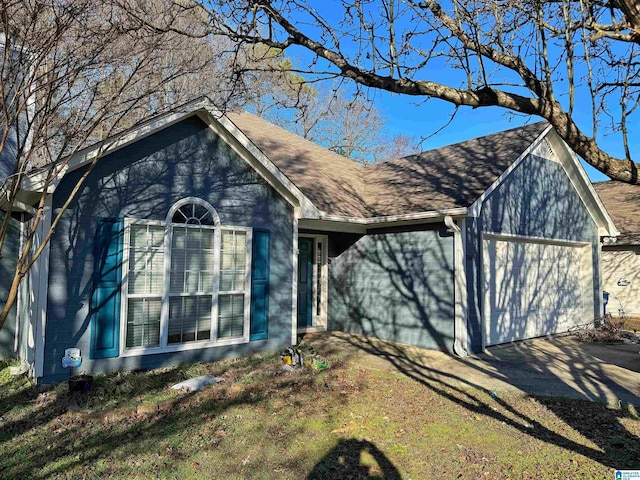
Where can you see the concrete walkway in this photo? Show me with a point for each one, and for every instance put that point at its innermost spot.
(559, 366)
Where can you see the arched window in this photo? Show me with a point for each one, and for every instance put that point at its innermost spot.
(192, 270)
(189, 280)
(193, 211)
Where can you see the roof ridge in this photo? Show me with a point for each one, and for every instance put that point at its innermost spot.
(435, 149)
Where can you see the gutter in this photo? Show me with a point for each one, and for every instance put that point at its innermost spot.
(5, 199)
(460, 289)
(433, 214)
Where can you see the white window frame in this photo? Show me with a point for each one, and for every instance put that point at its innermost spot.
(164, 347)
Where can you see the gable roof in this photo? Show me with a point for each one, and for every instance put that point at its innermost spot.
(622, 202)
(436, 180)
(331, 181)
(327, 186)
(447, 177)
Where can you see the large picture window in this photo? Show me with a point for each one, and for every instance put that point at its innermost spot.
(187, 281)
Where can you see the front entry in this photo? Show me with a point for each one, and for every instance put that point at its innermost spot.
(312, 278)
(305, 282)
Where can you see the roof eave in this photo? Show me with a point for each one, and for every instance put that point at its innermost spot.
(432, 215)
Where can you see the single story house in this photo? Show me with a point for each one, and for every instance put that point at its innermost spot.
(621, 255)
(200, 236)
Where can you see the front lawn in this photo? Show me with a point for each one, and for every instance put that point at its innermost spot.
(344, 422)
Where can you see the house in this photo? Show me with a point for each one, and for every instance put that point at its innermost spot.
(621, 258)
(200, 236)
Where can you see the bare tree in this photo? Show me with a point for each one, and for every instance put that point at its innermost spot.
(575, 63)
(345, 122)
(73, 73)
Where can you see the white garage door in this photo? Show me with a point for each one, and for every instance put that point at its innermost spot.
(533, 288)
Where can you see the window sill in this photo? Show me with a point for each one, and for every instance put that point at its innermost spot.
(134, 352)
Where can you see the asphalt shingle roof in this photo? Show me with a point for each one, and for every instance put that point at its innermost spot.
(440, 179)
(622, 202)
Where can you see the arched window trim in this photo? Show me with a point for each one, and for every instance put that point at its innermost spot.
(198, 201)
(214, 340)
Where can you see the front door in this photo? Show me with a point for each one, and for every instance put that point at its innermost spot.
(305, 282)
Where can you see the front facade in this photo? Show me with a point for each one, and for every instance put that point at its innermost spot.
(199, 237)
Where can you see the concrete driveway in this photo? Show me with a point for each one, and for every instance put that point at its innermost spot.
(558, 366)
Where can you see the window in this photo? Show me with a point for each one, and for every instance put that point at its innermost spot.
(233, 270)
(188, 281)
(146, 271)
(191, 284)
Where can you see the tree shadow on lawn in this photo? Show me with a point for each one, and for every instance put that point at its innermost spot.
(616, 446)
(70, 441)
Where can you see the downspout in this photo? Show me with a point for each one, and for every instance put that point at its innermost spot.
(460, 290)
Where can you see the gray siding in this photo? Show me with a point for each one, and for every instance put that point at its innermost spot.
(143, 181)
(8, 154)
(538, 200)
(396, 286)
(8, 261)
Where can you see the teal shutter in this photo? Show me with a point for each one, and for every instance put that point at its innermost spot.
(105, 302)
(259, 329)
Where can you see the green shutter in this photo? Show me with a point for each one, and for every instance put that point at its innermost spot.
(105, 302)
(259, 329)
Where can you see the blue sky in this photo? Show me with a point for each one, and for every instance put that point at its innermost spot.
(414, 117)
(418, 118)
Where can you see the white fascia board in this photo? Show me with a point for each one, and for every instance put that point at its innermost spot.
(329, 226)
(260, 162)
(475, 208)
(434, 215)
(35, 180)
(41, 288)
(207, 112)
(509, 237)
(583, 185)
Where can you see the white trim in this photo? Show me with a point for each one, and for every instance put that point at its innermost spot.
(572, 168)
(164, 346)
(19, 299)
(600, 281)
(531, 239)
(294, 278)
(461, 282)
(318, 322)
(324, 308)
(219, 123)
(410, 217)
(476, 208)
(240, 143)
(198, 201)
(180, 347)
(41, 300)
(583, 185)
(35, 179)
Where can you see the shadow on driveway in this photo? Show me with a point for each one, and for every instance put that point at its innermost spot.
(554, 367)
(544, 369)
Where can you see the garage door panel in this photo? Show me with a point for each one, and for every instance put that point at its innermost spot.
(533, 288)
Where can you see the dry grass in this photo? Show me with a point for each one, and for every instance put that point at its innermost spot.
(344, 422)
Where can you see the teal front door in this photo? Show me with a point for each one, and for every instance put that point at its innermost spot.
(305, 282)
